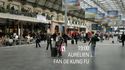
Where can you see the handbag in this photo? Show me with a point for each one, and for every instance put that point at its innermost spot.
(63, 48)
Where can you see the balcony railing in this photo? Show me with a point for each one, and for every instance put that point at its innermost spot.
(22, 12)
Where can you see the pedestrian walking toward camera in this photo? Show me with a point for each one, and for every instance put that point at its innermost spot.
(56, 50)
(59, 43)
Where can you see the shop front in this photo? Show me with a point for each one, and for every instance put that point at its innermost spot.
(57, 27)
(72, 29)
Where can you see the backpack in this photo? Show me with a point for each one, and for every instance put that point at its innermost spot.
(96, 38)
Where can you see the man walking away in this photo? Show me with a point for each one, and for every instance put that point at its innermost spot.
(38, 39)
(49, 42)
(93, 41)
(123, 39)
(65, 37)
(76, 37)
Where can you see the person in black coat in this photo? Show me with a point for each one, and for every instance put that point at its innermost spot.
(65, 37)
(49, 41)
(123, 38)
(59, 43)
(38, 39)
(42, 36)
(76, 37)
(54, 36)
(92, 43)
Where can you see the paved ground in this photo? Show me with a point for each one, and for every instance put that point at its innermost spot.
(108, 57)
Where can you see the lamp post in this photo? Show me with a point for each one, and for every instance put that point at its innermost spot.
(66, 21)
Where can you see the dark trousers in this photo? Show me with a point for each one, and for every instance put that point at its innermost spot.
(49, 44)
(59, 52)
(65, 42)
(38, 44)
(122, 43)
(76, 40)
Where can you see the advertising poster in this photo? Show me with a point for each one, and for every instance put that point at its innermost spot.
(100, 16)
(91, 13)
(94, 26)
(112, 14)
(71, 4)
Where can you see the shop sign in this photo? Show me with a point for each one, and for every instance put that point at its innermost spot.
(41, 18)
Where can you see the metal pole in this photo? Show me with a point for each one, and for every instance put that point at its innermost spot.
(21, 32)
(19, 26)
(66, 10)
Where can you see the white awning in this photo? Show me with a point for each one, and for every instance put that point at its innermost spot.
(21, 18)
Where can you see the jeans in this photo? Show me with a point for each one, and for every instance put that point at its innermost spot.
(93, 50)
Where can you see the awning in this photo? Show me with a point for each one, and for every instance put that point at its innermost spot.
(21, 18)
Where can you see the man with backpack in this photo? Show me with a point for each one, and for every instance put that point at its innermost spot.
(92, 43)
(65, 37)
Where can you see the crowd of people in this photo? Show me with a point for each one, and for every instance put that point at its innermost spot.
(56, 40)
(15, 39)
